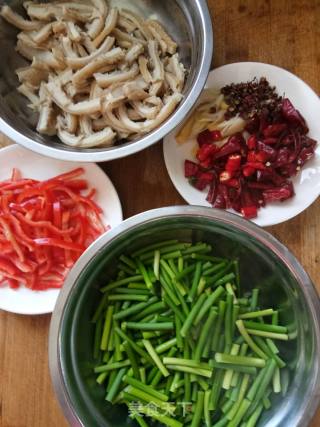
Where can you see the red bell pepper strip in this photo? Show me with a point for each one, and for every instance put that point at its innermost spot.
(51, 241)
(44, 227)
(75, 173)
(10, 237)
(44, 224)
(57, 213)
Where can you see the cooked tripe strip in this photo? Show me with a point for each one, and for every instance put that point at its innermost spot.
(73, 32)
(13, 18)
(147, 111)
(68, 122)
(73, 15)
(133, 53)
(143, 67)
(170, 105)
(65, 103)
(104, 137)
(77, 63)
(95, 28)
(88, 44)
(111, 57)
(110, 24)
(28, 42)
(157, 36)
(158, 69)
(46, 123)
(134, 91)
(43, 56)
(125, 24)
(115, 122)
(156, 28)
(32, 76)
(147, 126)
(38, 64)
(59, 27)
(105, 80)
(28, 92)
(42, 35)
(85, 124)
(124, 44)
(177, 69)
(72, 91)
(63, 78)
(80, 50)
(121, 36)
(172, 81)
(138, 22)
(47, 12)
(156, 88)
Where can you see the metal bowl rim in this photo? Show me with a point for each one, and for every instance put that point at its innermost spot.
(156, 135)
(223, 217)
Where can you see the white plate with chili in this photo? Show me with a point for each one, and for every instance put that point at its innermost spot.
(30, 165)
(306, 182)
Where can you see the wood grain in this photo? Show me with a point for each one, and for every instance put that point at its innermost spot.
(281, 32)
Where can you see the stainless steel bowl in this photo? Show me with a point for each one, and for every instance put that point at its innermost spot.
(189, 23)
(264, 263)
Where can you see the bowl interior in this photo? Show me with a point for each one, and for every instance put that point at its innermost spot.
(260, 267)
(13, 106)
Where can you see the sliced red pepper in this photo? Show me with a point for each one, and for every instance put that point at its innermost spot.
(271, 141)
(44, 224)
(232, 146)
(13, 284)
(75, 173)
(206, 151)
(8, 267)
(216, 135)
(57, 214)
(77, 184)
(5, 199)
(274, 130)
(80, 199)
(190, 169)
(248, 171)
(51, 241)
(255, 165)
(97, 224)
(10, 237)
(204, 138)
(252, 142)
(233, 183)
(18, 184)
(249, 212)
(44, 227)
(233, 163)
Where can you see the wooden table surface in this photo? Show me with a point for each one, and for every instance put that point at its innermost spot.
(281, 32)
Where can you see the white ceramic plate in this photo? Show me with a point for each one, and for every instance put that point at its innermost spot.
(32, 165)
(306, 183)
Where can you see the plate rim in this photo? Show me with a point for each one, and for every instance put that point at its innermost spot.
(171, 135)
(92, 166)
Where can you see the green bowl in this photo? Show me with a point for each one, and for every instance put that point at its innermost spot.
(264, 263)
